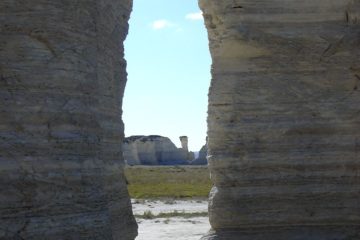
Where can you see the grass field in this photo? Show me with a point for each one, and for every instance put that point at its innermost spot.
(168, 181)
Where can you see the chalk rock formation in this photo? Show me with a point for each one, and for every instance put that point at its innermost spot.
(61, 85)
(283, 125)
(184, 142)
(154, 150)
(201, 159)
(184, 145)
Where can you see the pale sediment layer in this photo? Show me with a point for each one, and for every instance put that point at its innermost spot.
(283, 124)
(62, 80)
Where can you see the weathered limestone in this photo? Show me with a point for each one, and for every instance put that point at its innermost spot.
(184, 142)
(62, 77)
(202, 158)
(284, 136)
(184, 145)
(283, 124)
(155, 150)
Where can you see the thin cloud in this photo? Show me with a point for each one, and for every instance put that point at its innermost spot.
(194, 16)
(161, 24)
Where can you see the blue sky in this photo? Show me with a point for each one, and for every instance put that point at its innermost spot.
(168, 71)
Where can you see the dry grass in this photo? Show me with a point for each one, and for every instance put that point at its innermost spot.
(168, 181)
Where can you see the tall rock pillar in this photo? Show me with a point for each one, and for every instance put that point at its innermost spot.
(62, 77)
(283, 125)
(184, 143)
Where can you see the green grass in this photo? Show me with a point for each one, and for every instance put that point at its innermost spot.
(168, 181)
(149, 215)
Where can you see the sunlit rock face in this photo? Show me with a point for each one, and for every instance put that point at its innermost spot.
(61, 85)
(283, 125)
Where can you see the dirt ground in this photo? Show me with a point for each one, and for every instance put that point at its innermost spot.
(171, 228)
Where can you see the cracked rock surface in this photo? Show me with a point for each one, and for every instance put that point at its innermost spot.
(283, 124)
(62, 76)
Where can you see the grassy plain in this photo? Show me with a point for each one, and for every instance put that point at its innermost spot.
(153, 182)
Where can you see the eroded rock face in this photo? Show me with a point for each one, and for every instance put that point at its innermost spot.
(201, 159)
(283, 125)
(154, 150)
(61, 85)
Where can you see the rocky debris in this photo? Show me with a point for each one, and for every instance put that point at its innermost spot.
(283, 121)
(62, 76)
(155, 150)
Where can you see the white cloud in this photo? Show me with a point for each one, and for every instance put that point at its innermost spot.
(194, 16)
(162, 23)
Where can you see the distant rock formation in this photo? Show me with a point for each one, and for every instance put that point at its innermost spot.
(156, 150)
(201, 159)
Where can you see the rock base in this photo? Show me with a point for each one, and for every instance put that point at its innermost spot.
(288, 233)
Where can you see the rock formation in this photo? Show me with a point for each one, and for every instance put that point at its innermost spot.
(184, 142)
(283, 124)
(62, 76)
(202, 158)
(184, 145)
(155, 150)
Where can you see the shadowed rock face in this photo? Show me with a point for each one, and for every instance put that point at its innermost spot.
(61, 85)
(283, 124)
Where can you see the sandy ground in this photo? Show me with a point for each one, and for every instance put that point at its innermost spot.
(175, 228)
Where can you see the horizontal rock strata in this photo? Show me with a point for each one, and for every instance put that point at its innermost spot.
(61, 85)
(283, 125)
